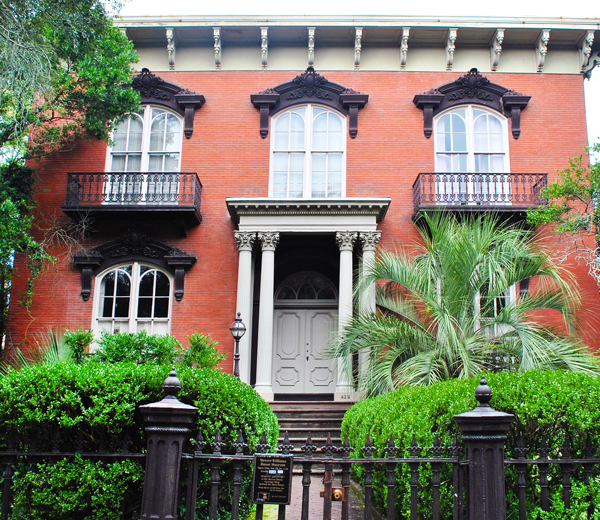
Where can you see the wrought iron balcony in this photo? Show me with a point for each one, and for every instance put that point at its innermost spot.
(167, 194)
(479, 191)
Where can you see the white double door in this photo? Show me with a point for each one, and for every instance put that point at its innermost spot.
(300, 365)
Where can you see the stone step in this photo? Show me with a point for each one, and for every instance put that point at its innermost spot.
(293, 423)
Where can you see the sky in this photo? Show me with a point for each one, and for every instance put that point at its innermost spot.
(509, 8)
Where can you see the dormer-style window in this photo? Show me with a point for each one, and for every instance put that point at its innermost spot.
(148, 141)
(308, 153)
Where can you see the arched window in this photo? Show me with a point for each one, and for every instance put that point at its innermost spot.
(306, 286)
(471, 148)
(133, 297)
(470, 139)
(308, 154)
(148, 141)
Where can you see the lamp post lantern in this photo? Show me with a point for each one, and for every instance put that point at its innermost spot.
(237, 329)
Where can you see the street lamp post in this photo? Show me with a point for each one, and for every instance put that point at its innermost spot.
(237, 329)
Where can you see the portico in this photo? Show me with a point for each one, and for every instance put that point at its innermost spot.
(349, 222)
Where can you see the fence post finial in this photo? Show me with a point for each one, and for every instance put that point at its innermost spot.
(483, 433)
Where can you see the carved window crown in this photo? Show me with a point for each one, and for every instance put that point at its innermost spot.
(472, 88)
(155, 90)
(309, 87)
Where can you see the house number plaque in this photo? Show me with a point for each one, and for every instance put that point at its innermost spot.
(272, 479)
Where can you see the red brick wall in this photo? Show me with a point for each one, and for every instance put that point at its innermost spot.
(232, 160)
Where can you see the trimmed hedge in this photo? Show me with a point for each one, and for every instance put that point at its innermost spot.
(545, 403)
(102, 401)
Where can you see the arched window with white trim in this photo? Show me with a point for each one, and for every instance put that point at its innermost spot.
(133, 297)
(308, 153)
(472, 140)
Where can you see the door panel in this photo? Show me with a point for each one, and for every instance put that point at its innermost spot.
(300, 338)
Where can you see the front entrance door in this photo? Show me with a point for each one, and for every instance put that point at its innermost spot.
(300, 339)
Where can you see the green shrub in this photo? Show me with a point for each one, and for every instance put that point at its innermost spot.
(101, 400)
(78, 342)
(545, 403)
(139, 347)
(202, 352)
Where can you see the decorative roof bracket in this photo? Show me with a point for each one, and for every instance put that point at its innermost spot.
(170, 33)
(217, 47)
(450, 48)
(541, 49)
(404, 47)
(264, 46)
(496, 49)
(586, 50)
(357, 47)
(311, 46)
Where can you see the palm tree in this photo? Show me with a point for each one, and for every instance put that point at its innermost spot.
(446, 313)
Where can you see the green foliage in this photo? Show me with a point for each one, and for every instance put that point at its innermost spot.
(202, 352)
(83, 489)
(439, 313)
(139, 347)
(573, 208)
(545, 403)
(102, 400)
(78, 342)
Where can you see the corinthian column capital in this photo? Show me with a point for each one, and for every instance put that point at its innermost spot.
(244, 240)
(346, 240)
(268, 241)
(369, 240)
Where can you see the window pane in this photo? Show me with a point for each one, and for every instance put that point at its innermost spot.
(157, 134)
(123, 283)
(335, 162)
(162, 284)
(145, 308)
(172, 162)
(135, 134)
(120, 136)
(334, 187)
(107, 307)
(121, 307)
(108, 283)
(147, 284)
(118, 163)
(134, 163)
(297, 133)
(161, 308)
(282, 132)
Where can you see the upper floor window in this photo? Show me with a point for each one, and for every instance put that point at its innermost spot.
(471, 140)
(308, 153)
(147, 141)
(133, 297)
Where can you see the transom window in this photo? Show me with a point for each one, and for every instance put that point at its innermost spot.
(306, 285)
(308, 158)
(147, 141)
(470, 139)
(133, 297)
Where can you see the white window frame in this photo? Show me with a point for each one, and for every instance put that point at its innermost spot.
(308, 151)
(145, 148)
(470, 127)
(133, 301)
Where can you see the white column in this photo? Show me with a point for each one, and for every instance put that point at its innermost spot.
(345, 240)
(264, 362)
(245, 240)
(369, 241)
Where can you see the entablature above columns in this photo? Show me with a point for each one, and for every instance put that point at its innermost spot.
(307, 215)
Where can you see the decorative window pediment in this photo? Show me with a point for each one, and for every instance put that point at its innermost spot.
(156, 91)
(475, 89)
(133, 246)
(309, 87)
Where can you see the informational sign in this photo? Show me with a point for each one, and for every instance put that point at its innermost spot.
(272, 479)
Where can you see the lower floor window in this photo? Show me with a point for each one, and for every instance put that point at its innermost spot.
(133, 297)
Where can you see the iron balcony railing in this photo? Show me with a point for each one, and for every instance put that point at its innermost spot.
(469, 191)
(150, 189)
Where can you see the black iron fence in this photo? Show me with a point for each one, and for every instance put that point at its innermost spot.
(464, 481)
(500, 191)
(155, 188)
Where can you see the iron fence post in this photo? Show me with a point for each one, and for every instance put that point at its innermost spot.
(484, 434)
(168, 423)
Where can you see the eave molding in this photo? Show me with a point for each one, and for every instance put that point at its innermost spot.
(309, 87)
(133, 246)
(472, 88)
(269, 207)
